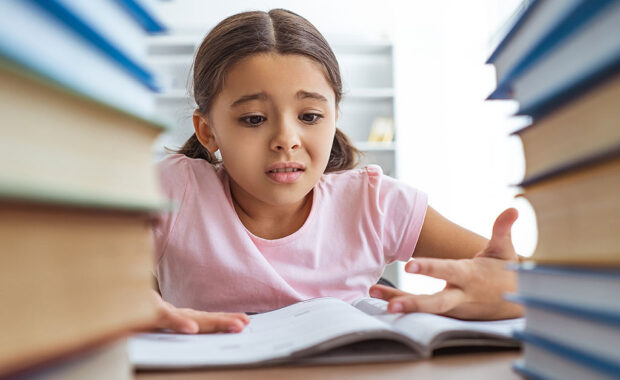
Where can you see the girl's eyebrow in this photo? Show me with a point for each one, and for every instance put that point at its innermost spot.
(246, 98)
(301, 94)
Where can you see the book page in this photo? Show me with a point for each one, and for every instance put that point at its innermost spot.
(309, 326)
(435, 331)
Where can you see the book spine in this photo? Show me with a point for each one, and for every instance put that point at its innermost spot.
(569, 167)
(107, 48)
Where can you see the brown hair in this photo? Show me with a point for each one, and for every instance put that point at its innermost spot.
(248, 33)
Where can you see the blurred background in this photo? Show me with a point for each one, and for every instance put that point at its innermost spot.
(415, 84)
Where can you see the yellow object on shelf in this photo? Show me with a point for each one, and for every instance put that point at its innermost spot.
(382, 130)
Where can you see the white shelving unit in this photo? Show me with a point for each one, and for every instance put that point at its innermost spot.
(367, 73)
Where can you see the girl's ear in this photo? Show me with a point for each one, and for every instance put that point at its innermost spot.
(204, 132)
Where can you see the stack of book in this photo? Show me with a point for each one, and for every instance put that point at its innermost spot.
(561, 62)
(78, 186)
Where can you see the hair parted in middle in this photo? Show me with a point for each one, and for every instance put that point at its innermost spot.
(244, 34)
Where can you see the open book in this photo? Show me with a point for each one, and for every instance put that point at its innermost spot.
(321, 330)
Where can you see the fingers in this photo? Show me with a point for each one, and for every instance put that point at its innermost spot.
(500, 246)
(453, 271)
(402, 302)
(171, 319)
(189, 321)
(385, 292)
(209, 322)
(438, 303)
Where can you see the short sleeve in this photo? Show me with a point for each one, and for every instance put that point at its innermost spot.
(173, 178)
(398, 211)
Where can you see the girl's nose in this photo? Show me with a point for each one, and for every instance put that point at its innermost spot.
(285, 138)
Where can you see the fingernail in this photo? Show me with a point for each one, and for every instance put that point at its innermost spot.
(375, 293)
(396, 307)
(413, 267)
(234, 329)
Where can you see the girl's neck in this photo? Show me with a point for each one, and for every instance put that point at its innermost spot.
(268, 221)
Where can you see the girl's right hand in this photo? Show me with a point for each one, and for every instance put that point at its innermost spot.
(190, 321)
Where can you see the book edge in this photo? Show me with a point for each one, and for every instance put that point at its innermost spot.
(13, 67)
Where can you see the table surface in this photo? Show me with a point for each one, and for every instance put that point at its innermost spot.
(478, 365)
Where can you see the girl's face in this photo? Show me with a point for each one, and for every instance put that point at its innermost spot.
(274, 123)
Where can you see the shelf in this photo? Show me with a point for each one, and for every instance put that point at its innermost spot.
(176, 94)
(179, 59)
(175, 40)
(187, 44)
(361, 93)
(379, 47)
(173, 45)
(366, 146)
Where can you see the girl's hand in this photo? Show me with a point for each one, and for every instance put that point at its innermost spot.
(189, 321)
(474, 287)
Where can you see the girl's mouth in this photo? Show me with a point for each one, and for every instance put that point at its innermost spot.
(285, 175)
(285, 170)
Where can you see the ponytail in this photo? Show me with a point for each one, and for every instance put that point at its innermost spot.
(344, 155)
(194, 149)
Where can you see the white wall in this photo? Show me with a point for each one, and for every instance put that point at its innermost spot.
(342, 19)
(453, 144)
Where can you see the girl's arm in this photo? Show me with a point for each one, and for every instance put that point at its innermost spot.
(474, 287)
(443, 239)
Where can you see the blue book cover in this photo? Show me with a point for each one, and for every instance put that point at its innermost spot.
(572, 89)
(142, 16)
(34, 38)
(569, 353)
(524, 13)
(529, 266)
(520, 368)
(572, 23)
(108, 49)
(600, 316)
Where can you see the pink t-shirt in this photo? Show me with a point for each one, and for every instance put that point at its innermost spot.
(360, 221)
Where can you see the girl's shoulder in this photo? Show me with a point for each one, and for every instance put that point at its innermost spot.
(180, 164)
(368, 182)
(367, 175)
(177, 170)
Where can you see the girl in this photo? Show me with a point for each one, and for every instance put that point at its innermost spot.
(284, 216)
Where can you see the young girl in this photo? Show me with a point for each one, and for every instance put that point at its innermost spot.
(284, 216)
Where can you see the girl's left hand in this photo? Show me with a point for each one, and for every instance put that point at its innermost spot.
(474, 287)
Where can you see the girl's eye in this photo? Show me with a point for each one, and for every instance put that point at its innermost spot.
(310, 118)
(253, 120)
